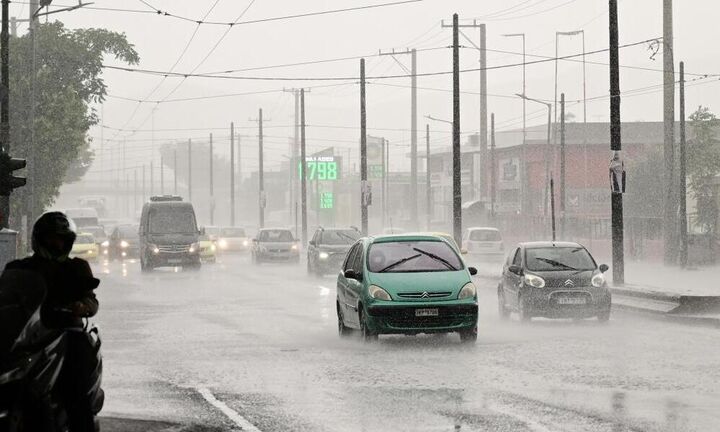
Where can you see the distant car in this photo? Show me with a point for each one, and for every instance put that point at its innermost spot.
(553, 280)
(124, 242)
(233, 239)
(406, 284)
(208, 248)
(169, 234)
(273, 245)
(85, 247)
(327, 249)
(97, 232)
(483, 243)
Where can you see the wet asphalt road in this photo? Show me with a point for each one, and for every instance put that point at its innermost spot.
(236, 346)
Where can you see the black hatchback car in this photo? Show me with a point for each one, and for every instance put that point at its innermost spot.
(327, 249)
(553, 280)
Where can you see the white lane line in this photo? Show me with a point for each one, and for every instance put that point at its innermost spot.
(230, 413)
(531, 424)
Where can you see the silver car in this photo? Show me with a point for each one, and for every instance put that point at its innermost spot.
(275, 245)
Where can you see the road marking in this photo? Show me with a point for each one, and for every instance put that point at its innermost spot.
(531, 424)
(324, 291)
(230, 413)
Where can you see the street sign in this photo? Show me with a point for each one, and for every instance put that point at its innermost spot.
(324, 168)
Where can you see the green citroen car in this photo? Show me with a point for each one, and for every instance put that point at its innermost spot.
(406, 284)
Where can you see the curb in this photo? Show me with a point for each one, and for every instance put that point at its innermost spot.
(676, 307)
(118, 424)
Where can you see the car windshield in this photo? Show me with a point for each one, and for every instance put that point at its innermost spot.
(128, 231)
(558, 259)
(85, 239)
(276, 236)
(171, 221)
(485, 235)
(412, 256)
(339, 237)
(232, 232)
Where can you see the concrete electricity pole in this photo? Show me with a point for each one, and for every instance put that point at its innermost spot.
(683, 174)
(212, 188)
(618, 253)
(562, 165)
(189, 186)
(162, 174)
(364, 189)
(232, 174)
(428, 190)
(493, 170)
(303, 170)
(175, 172)
(261, 173)
(669, 215)
(457, 169)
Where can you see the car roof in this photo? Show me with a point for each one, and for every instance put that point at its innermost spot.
(483, 228)
(547, 244)
(387, 238)
(275, 229)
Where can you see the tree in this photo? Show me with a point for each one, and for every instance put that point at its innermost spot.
(68, 80)
(703, 165)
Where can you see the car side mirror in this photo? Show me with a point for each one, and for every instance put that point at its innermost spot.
(202, 231)
(472, 270)
(352, 274)
(516, 269)
(603, 268)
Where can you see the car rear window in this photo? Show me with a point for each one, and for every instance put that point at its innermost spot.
(232, 232)
(485, 235)
(276, 236)
(558, 259)
(339, 237)
(412, 256)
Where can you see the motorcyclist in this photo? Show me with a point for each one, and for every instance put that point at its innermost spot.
(69, 299)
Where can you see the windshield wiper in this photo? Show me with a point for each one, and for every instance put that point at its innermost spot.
(397, 263)
(556, 263)
(436, 258)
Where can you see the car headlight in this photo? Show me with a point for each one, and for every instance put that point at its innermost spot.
(212, 247)
(534, 281)
(598, 280)
(90, 252)
(323, 255)
(222, 243)
(124, 244)
(467, 291)
(193, 247)
(245, 243)
(294, 247)
(106, 243)
(378, 293)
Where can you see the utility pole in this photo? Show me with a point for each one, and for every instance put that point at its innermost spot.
(303, 170)
(670, 208)
(189, 185)
(683, 174)
(482, 48)
(552, 205)
(523, 163)
(493, 170)
(212, 186)
(562, 165)
(152, 178)
(5, 102)
(261, 172)
(142, 193)
(616, 147)
(232, 174)
(364, 189)
(175, 172)
(457, 185)
(382, 182)
(428, 190)
(413, 210)
(162, 174)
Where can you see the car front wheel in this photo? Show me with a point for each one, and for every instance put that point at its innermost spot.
(343, 330)
(468, 336)
(503, 311)
(366, 334)
(604, 316)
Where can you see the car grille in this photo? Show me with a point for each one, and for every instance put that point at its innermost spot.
(425, 295)
(174, 248)
(277, 250)
(567, 283)
(404, 317)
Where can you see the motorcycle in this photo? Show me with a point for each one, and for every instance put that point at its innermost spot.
(32, 357)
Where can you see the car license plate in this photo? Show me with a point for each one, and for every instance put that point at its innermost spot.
(174, 261)
(571, 300)
(426, 312)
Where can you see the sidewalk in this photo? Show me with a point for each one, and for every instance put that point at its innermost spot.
(114, 424)
(691, 295)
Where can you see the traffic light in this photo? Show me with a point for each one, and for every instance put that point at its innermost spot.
(8, 181)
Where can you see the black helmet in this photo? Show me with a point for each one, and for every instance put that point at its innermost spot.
(49, 225)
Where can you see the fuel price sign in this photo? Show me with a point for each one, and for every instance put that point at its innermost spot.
(322, 168)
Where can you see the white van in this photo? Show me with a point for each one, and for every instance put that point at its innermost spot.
(84, 216)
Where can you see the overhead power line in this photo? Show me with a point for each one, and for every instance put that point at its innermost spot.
(354, 78)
